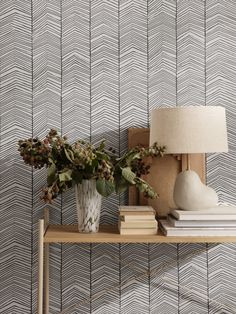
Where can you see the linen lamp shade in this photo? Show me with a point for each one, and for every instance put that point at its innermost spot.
(192, 129)
(189, 130)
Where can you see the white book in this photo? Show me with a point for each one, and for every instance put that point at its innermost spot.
(144, 224)
(136, 209)
(137, 216)
(138, 231)
(168, 230)
(201, 223)
(216, 213)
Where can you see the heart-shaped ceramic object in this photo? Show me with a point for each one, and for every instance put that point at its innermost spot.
(191, 194)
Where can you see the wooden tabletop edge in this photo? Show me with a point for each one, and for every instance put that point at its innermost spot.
(110, 234)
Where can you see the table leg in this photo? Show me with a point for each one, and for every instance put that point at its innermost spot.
(46, 278)
(40, 266)
(46, 264)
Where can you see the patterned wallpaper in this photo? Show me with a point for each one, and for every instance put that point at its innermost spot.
(92, 69)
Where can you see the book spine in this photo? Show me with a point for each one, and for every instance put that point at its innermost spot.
(200, 233)
(136, 208)
(138, 231)
(127, 218)
(138, 224)
(190, 232)
(137, 213)
(200, 223)
(205, 217)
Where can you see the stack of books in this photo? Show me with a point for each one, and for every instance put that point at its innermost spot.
(218, 221)
(137, 220)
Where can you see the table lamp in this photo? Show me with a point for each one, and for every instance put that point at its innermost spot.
(189, 130)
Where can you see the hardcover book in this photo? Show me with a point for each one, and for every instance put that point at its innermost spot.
(216, 213)
(145, 224)
(137, 217)
(200, 223)
(168, 230)
(136, 209)
(138, 231)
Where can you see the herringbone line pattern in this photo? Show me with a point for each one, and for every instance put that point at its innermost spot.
(190, 53)
(221, 90)
(154, 272)
(222, 278)
(46, 115)
(133, 47)
(76, 125)
(162, 53)
(76, 277)
(133, 67)
(134, 291)
(76, 69)
(105, 275)
(193, 275)
(221, 171)
(15, 197)
(104, 84)
(162, 298)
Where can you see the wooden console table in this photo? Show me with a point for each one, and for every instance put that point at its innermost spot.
(107, 234)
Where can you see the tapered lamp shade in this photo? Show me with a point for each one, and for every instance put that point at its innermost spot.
(187, 130)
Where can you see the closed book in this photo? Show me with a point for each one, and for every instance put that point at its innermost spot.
(216, 213)
(138, 231)
(132, 209)
(137, 217)
(145, 224)
(200, 223)
(168, 230)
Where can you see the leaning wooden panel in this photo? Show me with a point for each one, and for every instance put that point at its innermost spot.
(162, 177)
(162, 174)
(137, 136)
(197, 163)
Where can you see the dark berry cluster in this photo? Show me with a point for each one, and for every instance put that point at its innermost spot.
(139, 167)
(105, 170)
(34, 152)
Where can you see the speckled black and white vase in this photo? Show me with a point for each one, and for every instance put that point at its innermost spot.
(88, 203)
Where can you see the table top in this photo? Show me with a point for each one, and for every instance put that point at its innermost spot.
(110, 234)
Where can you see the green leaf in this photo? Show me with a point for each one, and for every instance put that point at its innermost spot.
(104, 187)
(132, 157)
(102, 145)
(121, 184)
(65, 176)
(141, 187)
(144, 187)
(50, 160)
(95, 163)
(102, 155)
(69, 154)
(129, 175)
(51, 175)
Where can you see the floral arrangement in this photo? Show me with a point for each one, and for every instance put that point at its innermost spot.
(68, 164)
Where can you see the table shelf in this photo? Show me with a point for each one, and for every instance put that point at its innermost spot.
(110, 234)
(107, 234)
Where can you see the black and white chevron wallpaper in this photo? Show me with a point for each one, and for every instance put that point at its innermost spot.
(92, 69)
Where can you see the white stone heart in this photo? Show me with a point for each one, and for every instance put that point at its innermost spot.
(191, 194)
